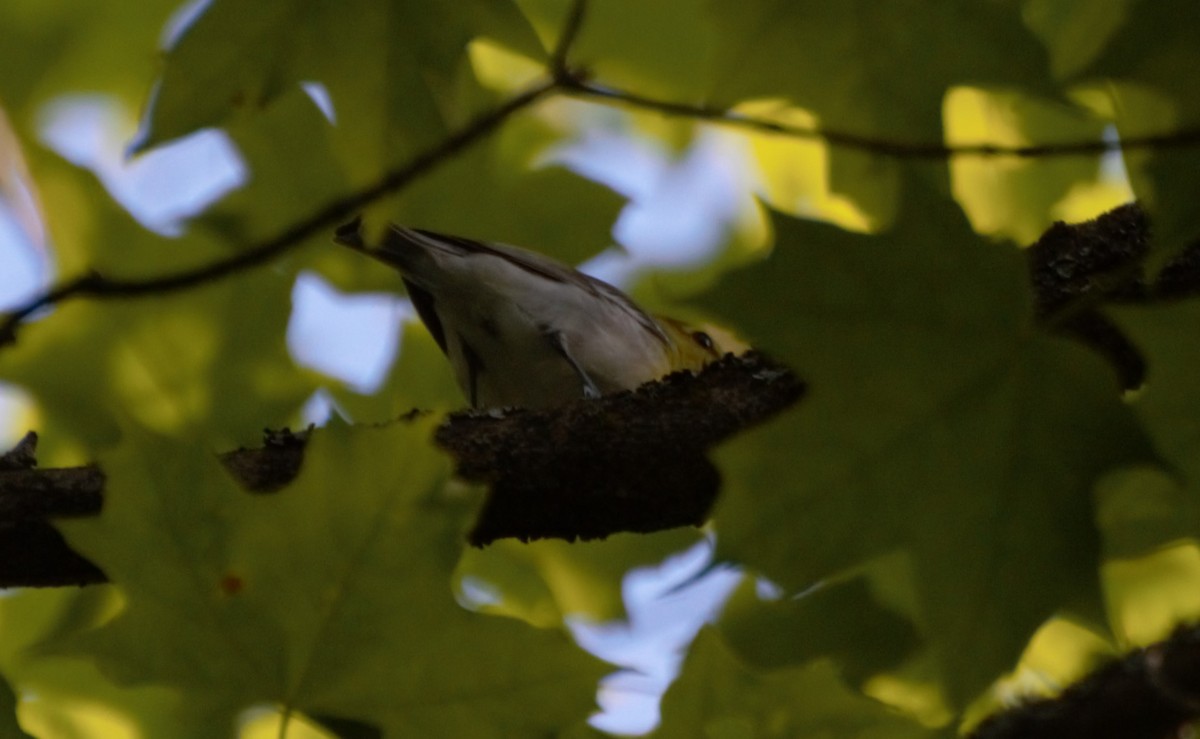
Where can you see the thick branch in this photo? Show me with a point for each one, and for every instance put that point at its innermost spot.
(635, 462)
(628, 462)
(1150, 694)
(1078, 269)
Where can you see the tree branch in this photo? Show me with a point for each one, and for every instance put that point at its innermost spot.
(882, 147)
(1076, 270)
(566, 39)
(657, 460)
(629, 462)
(567, 473)
(325, 218)
(1150, 694)
(632, 461)
(561, 79)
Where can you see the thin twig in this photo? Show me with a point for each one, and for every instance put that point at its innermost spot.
(332, 214)
(99, 286)
(574, 82)
(882, 147)
(566, 39)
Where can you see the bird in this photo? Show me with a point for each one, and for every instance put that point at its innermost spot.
(521, 329)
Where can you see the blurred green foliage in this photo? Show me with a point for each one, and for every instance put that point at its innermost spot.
(958, 499)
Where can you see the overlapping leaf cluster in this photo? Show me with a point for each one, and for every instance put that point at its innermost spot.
(956, 478)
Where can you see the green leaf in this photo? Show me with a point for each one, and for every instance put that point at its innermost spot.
(420, 379)
(1140, 68)
(543, 581)
(497, 189)
(1162, 178)
(717, 696)
(388, 65)
(1150, 48)
(938, 420)
(496, 192)
(1166, 334)
(55, 48)
(1143, 509)
(839, 60)
(332, 597)
(1017, 199)
(179, 362)
(1075, 32)
(9, 728)
(662, 48)
(841, 620)
(288, 151)
(69, 691)
(1147, 508)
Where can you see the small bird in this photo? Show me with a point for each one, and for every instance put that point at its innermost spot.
(522, 329)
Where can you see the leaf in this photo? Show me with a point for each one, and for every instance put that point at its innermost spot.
(1161, 178)
(498, 189)
(399, 82)
(1146, 507)
(9, 727)
(68, 695)
(332, 597)
(420, 379)
(1165, 334)
(839, 60)
(543, 581)
(1152, 595)
(1150, 47)
(1143, 509)
(497, 192)
(382, 58)
(843, 621)
(717, 696)
(1075, 32)
(1016, 198)
(663, 48)
(794, 173)
(101, 47)
(289, 152)
(179, 361)
(1140, 68)
(938, 420)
